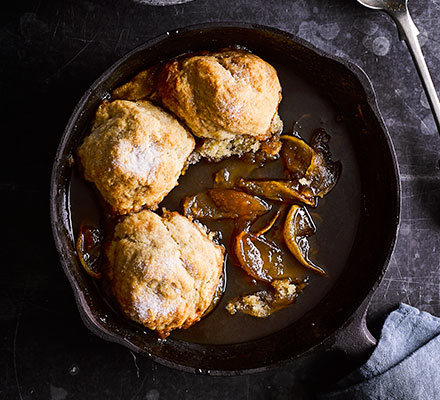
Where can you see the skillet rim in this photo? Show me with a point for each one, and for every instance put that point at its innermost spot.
(57, 216)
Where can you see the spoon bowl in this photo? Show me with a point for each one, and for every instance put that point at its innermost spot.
(385, 5)
(398, 10)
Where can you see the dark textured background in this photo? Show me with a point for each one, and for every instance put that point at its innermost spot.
(51, 52)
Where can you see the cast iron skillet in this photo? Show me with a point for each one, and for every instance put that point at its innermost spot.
(339, 317)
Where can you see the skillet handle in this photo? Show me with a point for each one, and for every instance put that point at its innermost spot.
(355, 340)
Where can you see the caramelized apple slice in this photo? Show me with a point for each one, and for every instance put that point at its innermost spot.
(223, 179)
(259, 257)
(243, 204)
(261, 304)
(284, 191)
(224, 203)
(269, 151)
(271, 222)
(88, 247)
(229, 176)
(297, 228)
(297, 156)
(311, 166)
(329, 170)
(201, 206)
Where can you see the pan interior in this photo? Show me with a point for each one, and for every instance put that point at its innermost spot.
(336, 217)
(318, 92)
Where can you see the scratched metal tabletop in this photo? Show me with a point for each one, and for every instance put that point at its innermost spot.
(50, 53)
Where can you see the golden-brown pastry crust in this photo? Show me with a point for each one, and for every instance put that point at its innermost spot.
(163, 271)
(134, 154)
(228, 98)
(142, 86)
(224, 94)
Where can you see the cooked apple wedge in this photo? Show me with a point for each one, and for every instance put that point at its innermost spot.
(297, 228)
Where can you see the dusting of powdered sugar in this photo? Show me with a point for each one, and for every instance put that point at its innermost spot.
(140, 160)
(149, 302)
(150, 305)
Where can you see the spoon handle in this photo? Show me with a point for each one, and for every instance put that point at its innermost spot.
(409, 32)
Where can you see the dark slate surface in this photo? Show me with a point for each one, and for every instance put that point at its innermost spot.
(50, 53)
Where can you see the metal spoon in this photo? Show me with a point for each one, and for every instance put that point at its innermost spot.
(398, 11)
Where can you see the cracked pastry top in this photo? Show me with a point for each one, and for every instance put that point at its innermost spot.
(134, 154)
(228, 98)
(163, 271)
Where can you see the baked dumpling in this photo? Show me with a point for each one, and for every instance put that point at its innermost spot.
(228, 98)
(134, 154)
(163, 271)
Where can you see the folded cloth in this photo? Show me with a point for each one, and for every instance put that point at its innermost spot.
(404, 365)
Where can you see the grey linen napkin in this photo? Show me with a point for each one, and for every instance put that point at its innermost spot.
(404, 365)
